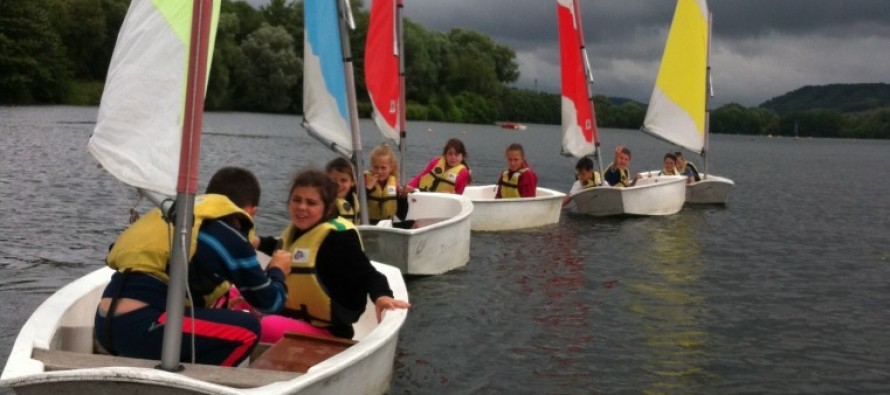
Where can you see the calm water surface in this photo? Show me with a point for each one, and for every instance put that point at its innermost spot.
(783, 291)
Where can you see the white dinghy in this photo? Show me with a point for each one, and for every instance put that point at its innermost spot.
(678, 109)
(148, 136)
(490, 214)
(438, 238)
(657, 195)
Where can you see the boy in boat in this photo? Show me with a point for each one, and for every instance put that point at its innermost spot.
(617, 174)
(585, 177)
(686, 168)
(670, 166)
(519, 180)
(131, 315)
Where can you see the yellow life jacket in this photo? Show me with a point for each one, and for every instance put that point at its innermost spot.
(382, 201)
(625, 176)
(509, 184)
(307, 298)
(348, 209)
(440, 180)
(595, 182)
(145, 246)
(664, 172)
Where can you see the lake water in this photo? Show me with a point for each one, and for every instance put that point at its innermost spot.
(783, 291)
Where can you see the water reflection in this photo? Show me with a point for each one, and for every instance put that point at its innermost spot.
(666, 297)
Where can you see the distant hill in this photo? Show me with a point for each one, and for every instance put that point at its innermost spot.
(843, 98)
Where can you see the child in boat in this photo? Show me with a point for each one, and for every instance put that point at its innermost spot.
(386, 199)
(585, 177)
(670, 166)
(131, 315)
(617, 174)
(518, 180)
(687, 168)
(448, 173)
(332, 277)
(341, 173)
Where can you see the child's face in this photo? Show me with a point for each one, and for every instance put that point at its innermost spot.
(585, 175)
(453, 158)
(305, 207)
(381, 167)
(514, 160)
(669, 164)
(623, 160)
(344, 182)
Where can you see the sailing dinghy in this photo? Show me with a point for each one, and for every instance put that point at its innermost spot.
(678, 109)
(649, 196)
(151, 111)
(438, 239)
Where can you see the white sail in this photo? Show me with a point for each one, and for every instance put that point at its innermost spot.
(325, 105)
(139, 126)
(677, 108)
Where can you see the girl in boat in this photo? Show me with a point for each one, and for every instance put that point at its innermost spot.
(386, 199)
(617, 174)
(448, 173)
(331, 277)
(519, 180)
(670, 166)
(341, 173)
(585, 177)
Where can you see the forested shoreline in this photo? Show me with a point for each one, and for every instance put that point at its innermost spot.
(57, 52)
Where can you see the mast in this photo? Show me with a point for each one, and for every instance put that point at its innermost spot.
(345, 13)
(709, 92)
(187, 184)
(589, 85)
(403, 129)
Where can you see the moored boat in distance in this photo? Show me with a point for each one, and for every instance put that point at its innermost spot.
(512, 126)
(490, 214)
(433, 239)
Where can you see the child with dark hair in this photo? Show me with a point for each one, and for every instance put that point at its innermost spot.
(585, 177)
(448, 173)
(617, 174)
(341, 173)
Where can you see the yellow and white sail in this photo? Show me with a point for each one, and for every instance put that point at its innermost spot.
(677, 108)
(139, 126)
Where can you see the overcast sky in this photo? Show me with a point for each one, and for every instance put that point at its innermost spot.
(761, 48)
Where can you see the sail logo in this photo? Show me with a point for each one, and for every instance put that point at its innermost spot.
(392, 106)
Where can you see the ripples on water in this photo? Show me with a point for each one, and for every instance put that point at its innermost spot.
(784, 291)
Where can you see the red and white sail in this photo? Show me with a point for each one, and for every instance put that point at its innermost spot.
(579, 133)
(382, 67)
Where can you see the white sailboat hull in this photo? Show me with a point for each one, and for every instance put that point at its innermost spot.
(490, 214)
(431, 249)
(656, 195)
(64, 323)
(713, 190)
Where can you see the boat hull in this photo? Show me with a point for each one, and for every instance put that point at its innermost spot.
(428, 250)
(657, 195)
(64, 322)
(490, 214)
(710, 190)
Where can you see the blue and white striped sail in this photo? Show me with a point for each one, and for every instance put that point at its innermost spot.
(325, 106)
(138, 131)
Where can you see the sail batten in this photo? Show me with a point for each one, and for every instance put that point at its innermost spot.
(678, 104)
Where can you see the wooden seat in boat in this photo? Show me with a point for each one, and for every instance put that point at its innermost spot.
(297, 352)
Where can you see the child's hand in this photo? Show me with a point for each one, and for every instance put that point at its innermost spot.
(370, 180)
(281, 259)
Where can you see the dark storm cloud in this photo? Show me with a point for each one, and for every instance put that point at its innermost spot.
(761, 48)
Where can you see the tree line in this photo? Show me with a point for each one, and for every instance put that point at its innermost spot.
(57, 51)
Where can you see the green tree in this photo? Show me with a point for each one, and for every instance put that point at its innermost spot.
(33, 65)
(271, 69)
